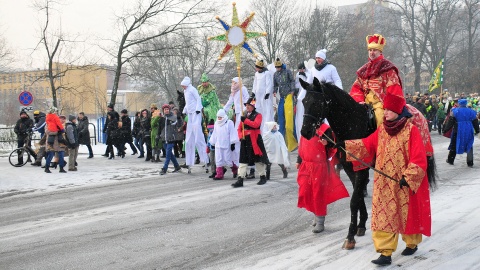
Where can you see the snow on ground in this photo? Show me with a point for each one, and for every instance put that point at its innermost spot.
(455, 212)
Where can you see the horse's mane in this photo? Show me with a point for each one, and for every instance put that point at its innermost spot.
(347, 118)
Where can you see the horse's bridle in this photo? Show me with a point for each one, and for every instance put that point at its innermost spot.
(317, 120)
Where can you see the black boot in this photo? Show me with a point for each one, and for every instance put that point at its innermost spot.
(197, 159)
(177, 169)
(20, 161)
(409, 251)
(284, 170)
(149, 157)
(267, 169)
(451, 157)
(47, 170)
(213, 174)
(62, 170)
(53, 165)
(263, 180)
(239, 183)
(141, 156)
(383, 260)
(251, 175)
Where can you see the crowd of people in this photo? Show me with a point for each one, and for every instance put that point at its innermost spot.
(242, 136)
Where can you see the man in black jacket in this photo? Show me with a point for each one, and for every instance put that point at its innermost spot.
(71, 132)
(23, 126)
(126, 131)
(84, 133)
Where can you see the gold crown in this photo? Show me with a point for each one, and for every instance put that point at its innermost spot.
(376, 41)
(259, 63)
(277, 63)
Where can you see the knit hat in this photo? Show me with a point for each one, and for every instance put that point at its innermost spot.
(37, 112)
(321, 54)
(23, 112)
(124, 111)
(110, 106)
(259, 64)
(235, 79)
(186, 81)
(71, 117)
(301, 66)
(165, 106)
(394, 103)
(376, 41)
(53, 109)
(278, 63)
(204, 78)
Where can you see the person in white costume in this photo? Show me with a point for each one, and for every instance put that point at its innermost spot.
(235, 100)
(193, 136)
(302, 74)
(324, 71)
(276, 148)
(224, 138)
(263, 91)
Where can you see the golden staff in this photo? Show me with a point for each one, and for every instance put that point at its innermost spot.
(236, 37)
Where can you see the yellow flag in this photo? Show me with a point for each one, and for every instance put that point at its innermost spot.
(437, 77)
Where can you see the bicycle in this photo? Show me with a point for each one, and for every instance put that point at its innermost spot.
(20, 156)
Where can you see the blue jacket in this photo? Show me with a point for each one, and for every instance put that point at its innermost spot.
(465, 129)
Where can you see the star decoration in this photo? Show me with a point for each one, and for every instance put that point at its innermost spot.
(236, 35)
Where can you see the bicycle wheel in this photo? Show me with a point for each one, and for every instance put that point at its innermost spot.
(19, 157)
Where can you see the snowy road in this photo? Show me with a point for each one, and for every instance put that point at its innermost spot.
(140, 220)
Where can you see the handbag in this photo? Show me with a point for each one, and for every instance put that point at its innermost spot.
(448, 126)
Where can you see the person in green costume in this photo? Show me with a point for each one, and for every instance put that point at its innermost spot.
(209, 97)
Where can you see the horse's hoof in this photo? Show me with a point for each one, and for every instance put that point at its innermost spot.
(361, 231)
(349, 245)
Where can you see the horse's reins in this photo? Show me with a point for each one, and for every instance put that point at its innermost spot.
(359, 160)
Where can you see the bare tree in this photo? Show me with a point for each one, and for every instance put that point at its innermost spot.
(6, 57)
(136, 27)
(54, 42)
(275, 18)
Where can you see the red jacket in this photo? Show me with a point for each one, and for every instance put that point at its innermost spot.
(53, 123)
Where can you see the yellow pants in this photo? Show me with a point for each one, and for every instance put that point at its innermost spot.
(386, 243)
(377, 105)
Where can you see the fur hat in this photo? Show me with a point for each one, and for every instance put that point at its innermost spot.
(321, 54)
(53, 109)
(376, 41)
(394, 103)
(259, 64)
(186, 81)
(71, 117)
(278, 63)
(204, 78)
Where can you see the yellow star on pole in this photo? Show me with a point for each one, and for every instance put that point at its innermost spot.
(236, 35)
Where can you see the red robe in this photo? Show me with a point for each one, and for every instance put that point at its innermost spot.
(318, 183)
(396, 210)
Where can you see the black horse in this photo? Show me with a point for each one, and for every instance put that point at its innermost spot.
(349, 120)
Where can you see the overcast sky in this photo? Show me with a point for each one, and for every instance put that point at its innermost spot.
(84, 18)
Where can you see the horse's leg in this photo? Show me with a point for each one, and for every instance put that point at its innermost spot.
(352, 230)
(362, 181)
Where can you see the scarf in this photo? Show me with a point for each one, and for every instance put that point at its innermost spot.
(221, 122)
(375, 67)
(393, 127)
(235, 88)
(322, 65)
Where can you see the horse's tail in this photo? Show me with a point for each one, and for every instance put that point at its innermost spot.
(431, 172)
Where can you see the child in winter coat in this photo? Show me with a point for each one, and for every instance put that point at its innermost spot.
(223, 139)
(276, 148)
(318, 184)
(211, 149)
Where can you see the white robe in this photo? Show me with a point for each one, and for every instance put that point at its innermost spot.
(275, 146)
(194, 136)
(327, 74)
(262, 85)
(235, 100)
(300, 108)
(223, 136)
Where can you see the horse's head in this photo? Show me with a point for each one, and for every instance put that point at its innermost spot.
(316, 107)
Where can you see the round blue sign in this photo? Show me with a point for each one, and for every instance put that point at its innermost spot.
(25, 98)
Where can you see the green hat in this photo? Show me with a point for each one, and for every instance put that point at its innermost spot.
(204, 78)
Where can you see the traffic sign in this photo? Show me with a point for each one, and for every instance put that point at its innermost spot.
(26, 108)
(25, 98)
